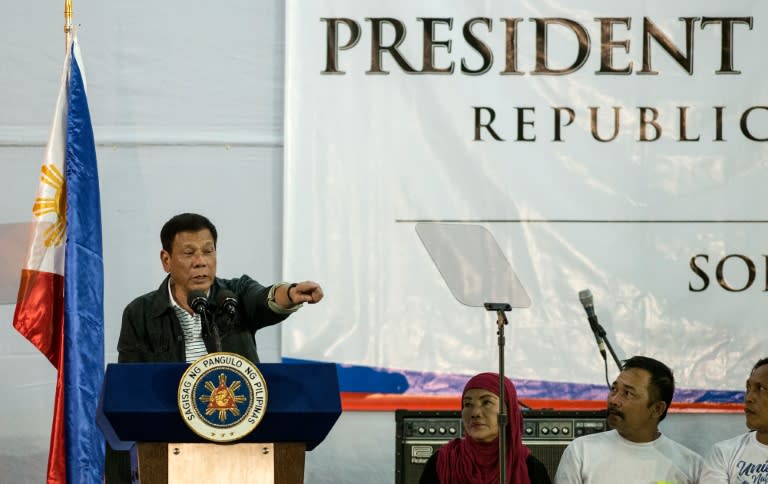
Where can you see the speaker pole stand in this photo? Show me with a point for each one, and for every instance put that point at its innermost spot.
(501, 321)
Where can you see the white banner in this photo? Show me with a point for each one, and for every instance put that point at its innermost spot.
(616, 147)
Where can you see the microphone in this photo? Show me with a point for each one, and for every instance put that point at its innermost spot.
(585, 297)
(198, 301)
(227, 301)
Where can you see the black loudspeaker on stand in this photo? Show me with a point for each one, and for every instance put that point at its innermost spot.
(546, 432)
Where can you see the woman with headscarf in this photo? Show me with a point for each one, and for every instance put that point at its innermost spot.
(474, 458)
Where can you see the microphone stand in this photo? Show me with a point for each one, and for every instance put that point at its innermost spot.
(600, 332)
(209, 322)
(501, 321)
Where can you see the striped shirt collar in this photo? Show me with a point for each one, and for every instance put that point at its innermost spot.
(175, 304)
(191, 326)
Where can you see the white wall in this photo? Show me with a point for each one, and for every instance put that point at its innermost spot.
(186, 99)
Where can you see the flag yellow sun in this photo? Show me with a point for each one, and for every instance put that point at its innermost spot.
(57, 204)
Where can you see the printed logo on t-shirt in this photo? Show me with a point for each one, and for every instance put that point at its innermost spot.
(750, 473)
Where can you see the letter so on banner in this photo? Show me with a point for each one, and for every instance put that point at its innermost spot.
(222, 397)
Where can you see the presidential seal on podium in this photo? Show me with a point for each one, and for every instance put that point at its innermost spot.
(222, 397)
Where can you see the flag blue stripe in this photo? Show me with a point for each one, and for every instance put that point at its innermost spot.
(83, 292)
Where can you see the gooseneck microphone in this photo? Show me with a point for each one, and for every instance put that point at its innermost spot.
(227, 302)
(585, 297)
(198, 301)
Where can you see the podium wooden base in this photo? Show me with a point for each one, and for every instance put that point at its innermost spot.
(164, 463)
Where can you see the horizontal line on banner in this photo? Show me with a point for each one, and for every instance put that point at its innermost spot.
(585, 221)
(369, 388)
(110, 136)
(169, 143)
(380, 402)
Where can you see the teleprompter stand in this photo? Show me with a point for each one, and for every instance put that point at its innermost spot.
(479, 275)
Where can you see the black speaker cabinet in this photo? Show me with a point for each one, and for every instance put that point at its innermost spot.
(546, 432)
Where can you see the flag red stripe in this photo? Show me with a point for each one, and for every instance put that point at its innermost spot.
(39, 317)
(39, 314)
(57, 452)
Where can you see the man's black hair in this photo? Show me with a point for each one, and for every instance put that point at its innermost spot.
(662, 384)
(760, 362)
(184, 222)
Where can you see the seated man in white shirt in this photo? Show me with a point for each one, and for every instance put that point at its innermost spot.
(634, 452)
(744, 458)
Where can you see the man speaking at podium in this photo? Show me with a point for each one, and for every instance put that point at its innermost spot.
(162, 326)
(194, 313)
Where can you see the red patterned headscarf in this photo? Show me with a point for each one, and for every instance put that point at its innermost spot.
(466, 461)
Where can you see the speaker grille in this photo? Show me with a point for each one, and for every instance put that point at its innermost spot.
(549, 454)
(546, 432)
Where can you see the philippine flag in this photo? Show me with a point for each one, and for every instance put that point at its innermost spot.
(60, 303)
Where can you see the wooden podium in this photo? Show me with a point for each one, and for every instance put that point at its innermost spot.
(138, 412)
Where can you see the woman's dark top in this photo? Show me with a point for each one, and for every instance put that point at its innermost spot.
(537, 472)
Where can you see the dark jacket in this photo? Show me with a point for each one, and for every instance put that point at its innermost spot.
(151, 332)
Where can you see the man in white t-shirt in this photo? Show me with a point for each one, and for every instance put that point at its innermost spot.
(744, 459)
(634, 452)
